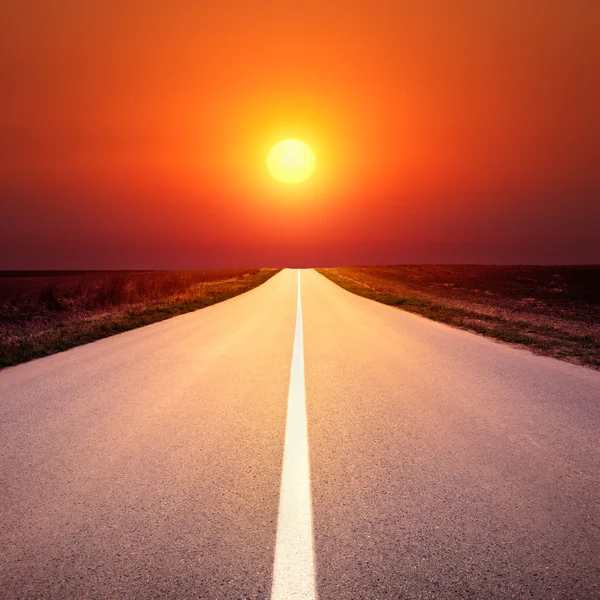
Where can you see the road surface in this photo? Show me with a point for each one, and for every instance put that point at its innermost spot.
(345, 450)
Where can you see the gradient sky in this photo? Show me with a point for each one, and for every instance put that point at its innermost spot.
(135, 134)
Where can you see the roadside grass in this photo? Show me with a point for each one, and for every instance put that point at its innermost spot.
(46, 315)
(549, 338)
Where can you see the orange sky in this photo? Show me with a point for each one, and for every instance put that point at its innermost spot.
(134, 134)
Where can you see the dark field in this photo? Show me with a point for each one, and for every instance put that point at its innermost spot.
(46, 312)
(554, 311)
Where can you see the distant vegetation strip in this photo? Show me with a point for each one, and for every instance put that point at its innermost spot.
(554, 311)
(44, 314)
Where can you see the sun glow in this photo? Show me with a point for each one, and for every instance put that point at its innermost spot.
(291, 161)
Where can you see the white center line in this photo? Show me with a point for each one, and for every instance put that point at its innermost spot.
(294, 569)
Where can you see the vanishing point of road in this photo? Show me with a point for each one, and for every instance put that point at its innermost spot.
(299, 442)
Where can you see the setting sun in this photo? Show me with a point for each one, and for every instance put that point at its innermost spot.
(291, 161)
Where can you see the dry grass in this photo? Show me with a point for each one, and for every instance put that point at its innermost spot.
(554, 311)
(46, 312)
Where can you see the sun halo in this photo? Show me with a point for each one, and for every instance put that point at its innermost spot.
(291, 161)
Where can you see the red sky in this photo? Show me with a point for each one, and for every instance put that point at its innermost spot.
(134, 134)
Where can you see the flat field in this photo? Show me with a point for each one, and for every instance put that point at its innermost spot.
(553, 310)
(43, 312)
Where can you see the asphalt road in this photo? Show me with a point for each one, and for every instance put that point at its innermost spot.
(442, 464)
